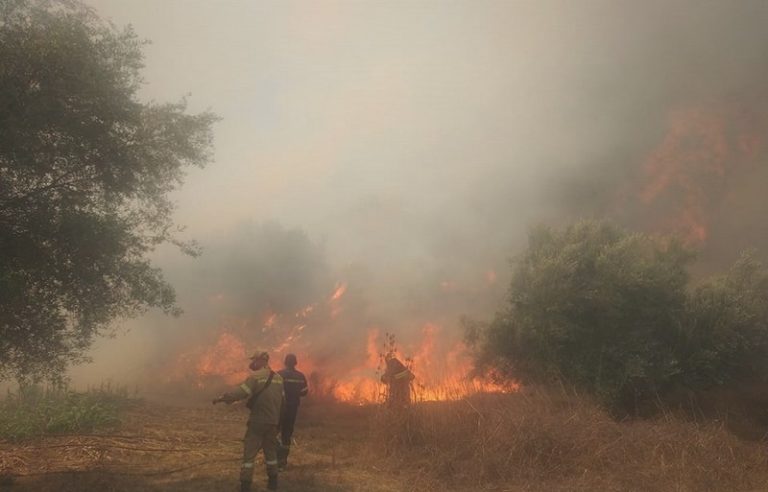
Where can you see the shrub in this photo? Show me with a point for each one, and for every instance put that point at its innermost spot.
(724, 339)
(595, 306)
(611, 313)
(35, 411)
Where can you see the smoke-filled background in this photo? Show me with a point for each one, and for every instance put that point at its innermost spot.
(379, 163)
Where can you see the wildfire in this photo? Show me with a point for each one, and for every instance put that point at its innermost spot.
(341, 288)
(269, 321)
(335, 299)
(361, 384)
(351, 375)
(226, 359)
(688, 170)
(445, 374)
(440, 374)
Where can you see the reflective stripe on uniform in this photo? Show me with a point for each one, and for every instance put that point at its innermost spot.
(246, 388)
(248, 465)
(401, 375)
(288, 380)
(274, 380)
(270, 463)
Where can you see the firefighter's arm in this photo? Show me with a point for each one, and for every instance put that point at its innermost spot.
(406, 375)
(304, 387)
(242, 392)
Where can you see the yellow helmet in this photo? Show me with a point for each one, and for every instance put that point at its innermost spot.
(260, 354)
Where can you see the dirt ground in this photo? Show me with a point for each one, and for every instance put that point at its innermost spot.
(164, 447)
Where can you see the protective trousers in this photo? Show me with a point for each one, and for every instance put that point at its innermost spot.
(287, 422)
(259, 436)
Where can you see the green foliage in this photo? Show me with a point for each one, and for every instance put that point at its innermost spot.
(85, 172)
(34, 411)
(725, 335)
(610, 313)
(595, 306)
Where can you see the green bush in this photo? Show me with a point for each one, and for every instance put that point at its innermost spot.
(724, 339)
(610, 312)
(34, 411)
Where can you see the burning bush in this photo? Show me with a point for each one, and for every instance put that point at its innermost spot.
(610, 312)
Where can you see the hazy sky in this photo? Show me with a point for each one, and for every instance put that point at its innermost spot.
(418, 122)
(433, 133)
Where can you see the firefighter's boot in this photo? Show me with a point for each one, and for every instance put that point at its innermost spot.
(272, 482)
(245, 486)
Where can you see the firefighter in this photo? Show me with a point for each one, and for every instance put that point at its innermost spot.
(263, 392)
(295, 385)
(398, 379)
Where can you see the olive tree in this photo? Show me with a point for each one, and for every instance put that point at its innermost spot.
(86, 168)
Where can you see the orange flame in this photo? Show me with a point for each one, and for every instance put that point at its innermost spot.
(687, 170)
(439, 375)
(441, 365)
(445, 374)
(335, 299)
(227, 359)
(341, 288)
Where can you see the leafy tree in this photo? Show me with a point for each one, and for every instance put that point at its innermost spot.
(612, 313)
(595, 306)
(85, 172)
(724, 338)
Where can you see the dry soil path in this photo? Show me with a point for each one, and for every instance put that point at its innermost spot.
(161, 447)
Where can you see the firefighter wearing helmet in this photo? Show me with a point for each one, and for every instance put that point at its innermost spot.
(263, 392)
(398, 379)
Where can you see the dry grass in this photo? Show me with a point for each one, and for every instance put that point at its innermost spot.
(197, 447)
(515, 442)
(537, 441)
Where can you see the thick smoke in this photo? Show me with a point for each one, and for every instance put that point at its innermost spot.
(415, 144)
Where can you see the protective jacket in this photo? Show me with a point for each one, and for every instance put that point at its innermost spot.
(295, 385)
(398, 379)
(266, 408)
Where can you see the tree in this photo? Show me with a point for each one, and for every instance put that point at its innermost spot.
(612, 313)
(724, 339)
(594, 306)
(85, 173)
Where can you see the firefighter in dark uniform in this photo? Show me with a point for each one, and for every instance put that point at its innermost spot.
(264, 393)
(398, 379)
(295, 385)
